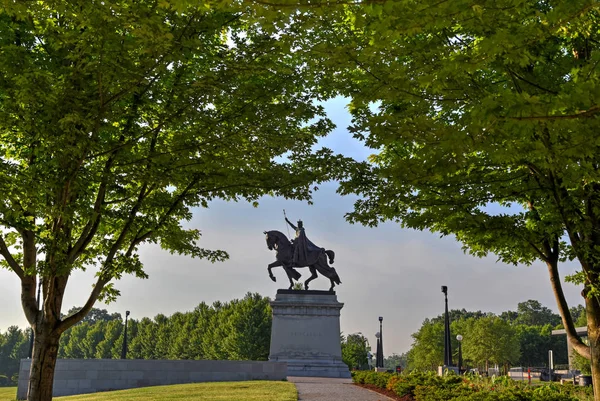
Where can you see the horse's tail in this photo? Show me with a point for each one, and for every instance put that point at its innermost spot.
(335, 277)
(331, 255)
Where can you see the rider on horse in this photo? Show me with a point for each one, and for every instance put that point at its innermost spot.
(305, 252)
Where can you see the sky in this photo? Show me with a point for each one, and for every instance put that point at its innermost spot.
(385, 271)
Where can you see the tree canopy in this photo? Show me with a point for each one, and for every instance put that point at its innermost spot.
(483, 119)
(118, 118)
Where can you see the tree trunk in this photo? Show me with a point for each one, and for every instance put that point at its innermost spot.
(593, 321)
(563, 309)
(43, 363)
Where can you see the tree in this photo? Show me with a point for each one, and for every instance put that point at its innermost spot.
(113, 331)
(95, 315)
(14, 346)
(459, 314)
(249, 329)
(395, 360)
(578, 315)
(485, 122)
(532, 313)
(427, 351)
(116, 118)
(355, 349)
(535, 341)
(142, 346)
(491, 340)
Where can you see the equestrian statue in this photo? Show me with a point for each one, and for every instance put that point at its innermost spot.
(300, 252)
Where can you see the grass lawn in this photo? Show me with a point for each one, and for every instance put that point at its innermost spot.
(8, 393)
(219, 391)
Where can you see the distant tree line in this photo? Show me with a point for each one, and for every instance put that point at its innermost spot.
(14, 346)
(241, 329)
(236, 330)
(513, 338)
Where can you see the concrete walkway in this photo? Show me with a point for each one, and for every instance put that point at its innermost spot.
(327, 389)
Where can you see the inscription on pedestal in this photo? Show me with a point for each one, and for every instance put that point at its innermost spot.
(305, 334)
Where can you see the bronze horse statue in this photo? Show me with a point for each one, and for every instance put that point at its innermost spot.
(316, 260)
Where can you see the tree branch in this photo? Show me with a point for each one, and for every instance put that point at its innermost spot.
(73, 319)
(91, 227)
(565, 314)
(139, 238)
(315, 5)
(589, 113)
(119, 241)
(532, 83)
(10, 260)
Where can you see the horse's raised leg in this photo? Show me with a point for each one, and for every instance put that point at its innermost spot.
(271, 274)
(272, 265)
(313, 275)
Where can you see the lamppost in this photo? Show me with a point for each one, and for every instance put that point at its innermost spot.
(447, 344)
(378, 352)
(460, 361)
(124, 349)
(381, 340)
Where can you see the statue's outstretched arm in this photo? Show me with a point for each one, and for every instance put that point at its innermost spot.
(291, 225)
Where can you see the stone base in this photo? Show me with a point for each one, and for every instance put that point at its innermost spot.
(306, 333)
(83, 376)
(316, 368)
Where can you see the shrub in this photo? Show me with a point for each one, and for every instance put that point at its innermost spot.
(401, 386)
(552, 392)
(427, 386)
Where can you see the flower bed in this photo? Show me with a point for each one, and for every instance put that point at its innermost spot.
(427, 386)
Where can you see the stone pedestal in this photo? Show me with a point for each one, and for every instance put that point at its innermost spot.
(306, 333)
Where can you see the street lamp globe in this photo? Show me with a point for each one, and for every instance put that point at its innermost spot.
(460, 359)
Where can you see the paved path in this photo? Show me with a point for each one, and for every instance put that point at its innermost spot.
(326, 389)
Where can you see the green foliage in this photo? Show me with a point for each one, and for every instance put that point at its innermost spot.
(14, 346)
(248, 329)
(355, 349)
(533, 313)
(379, 379)
(427, 351)
(95, 315)
(391, 361)
(474, 107)
(237, 330)
(491, 340)
(116, 119)
(486, 337)
(484, 123)
(579, 316)
(581, 364)
(428, 386)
